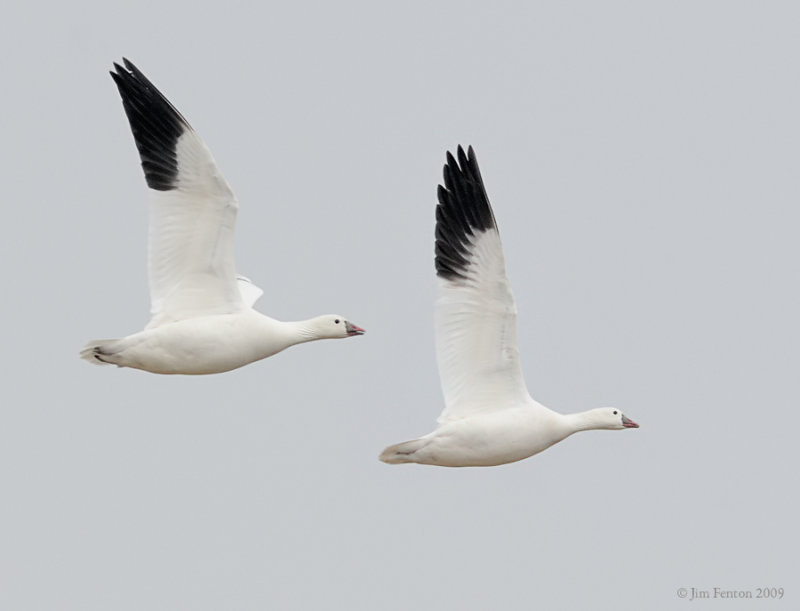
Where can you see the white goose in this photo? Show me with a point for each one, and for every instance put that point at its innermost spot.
(489, 418)
(202, 320)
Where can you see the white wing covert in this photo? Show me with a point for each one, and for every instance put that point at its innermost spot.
(191, 264)
(250, 292)
(475, 314)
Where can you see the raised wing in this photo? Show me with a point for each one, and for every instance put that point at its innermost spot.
(192, 211)
(475, 315)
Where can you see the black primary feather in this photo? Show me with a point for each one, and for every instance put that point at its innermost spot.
(155, 123)
(463, 211)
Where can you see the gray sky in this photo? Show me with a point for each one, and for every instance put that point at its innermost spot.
(642, 161)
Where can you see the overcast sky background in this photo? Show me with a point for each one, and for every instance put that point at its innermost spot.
(642, 160)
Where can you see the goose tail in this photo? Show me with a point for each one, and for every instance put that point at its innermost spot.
(402, 452)
(100, 351)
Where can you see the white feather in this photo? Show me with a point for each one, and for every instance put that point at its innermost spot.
(250, 292)
(190, 243)
(476, 335)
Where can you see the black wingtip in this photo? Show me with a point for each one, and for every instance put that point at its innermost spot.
(155, 122)
(463, 211)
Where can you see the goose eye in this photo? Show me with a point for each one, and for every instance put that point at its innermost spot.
(337, 322)
(615, 412)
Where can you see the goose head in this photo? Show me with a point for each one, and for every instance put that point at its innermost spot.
(612, 419)
(333, 326)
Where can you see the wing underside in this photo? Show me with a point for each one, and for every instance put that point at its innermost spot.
(192, 209)
(475, 314)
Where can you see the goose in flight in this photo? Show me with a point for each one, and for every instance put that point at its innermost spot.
(489, 418)
(202, 319)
